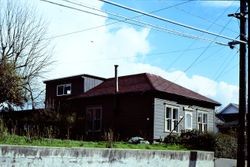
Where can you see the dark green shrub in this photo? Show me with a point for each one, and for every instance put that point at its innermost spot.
(196, 140)
(172, 139)
(225, 146)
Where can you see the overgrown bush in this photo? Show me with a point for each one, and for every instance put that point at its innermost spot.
(109, 138)
(3, 129)
(193, 140)
(197, 140)
(226, 146)
(172, 139)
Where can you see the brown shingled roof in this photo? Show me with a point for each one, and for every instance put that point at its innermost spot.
(142, 83)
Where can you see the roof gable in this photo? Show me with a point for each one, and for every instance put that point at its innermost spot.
(230, 109)
(142, 83)
(127, 84)
(164, 85)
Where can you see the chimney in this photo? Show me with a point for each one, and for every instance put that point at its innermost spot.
(116, 80)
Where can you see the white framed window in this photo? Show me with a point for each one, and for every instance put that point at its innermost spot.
(202, 121)
(64, 89)
(171, 118)
(188, 120)
(94, 118)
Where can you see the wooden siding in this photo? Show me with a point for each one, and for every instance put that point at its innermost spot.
(54, 101)
(89, 83)
(79, 85)
(159, 117)
(133, 116)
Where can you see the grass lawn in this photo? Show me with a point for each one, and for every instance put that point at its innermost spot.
(22, 140)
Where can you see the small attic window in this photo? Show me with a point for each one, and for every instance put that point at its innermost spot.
(64, 89)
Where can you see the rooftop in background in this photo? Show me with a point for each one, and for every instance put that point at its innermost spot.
(231, 108)
(144, 82)
(74, 76)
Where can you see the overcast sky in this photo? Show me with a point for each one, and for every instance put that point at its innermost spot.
(206, 67)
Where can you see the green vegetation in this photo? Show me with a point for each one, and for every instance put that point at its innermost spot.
(223, 145)
(10, 139)
(226, 145)
(22, 140)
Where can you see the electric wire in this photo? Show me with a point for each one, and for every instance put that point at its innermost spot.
(223, 28)
(108, 24)
(203, 18)
(217, 35)
(224, 66)
(149, 55)
(105, 16)
(134, 23)
(202, 53)
(189, 46)
(171, 21)
(197, 58)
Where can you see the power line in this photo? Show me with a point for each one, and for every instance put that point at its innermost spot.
(154, 11)
(171, 21)
(134, 23)
(203, 18)
(153, 54)
(181, 55)
(223, 28)
(206, 47)
(108, 24)
(177, 33)
(224, 66)
(198, 57)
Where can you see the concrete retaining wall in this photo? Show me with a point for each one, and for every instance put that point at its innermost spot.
(22, 156)
(224, 162)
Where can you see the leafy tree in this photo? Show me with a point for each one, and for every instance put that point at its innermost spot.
(24, 53)
(10, 85)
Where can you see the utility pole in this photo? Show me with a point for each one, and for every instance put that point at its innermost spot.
(248, 115)
(242, 90)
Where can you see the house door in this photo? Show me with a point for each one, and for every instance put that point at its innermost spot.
(188, 120)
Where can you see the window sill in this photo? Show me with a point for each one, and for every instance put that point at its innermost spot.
(63, 95)
(170, 131)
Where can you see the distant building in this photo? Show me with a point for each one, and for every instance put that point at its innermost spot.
(228, 117)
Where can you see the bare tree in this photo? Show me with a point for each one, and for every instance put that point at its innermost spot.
(24, 47)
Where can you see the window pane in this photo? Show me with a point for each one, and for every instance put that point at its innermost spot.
(89, 120)
(169, 124)
(98, 114)
(168, 112)
(200, 127)
(205, 127)
(175, 113)
(60, 90)
(97, 125)
(93, 116)
(204, 118)
(199, 117)
(175, 126)
(188, 121)
(67, 89)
